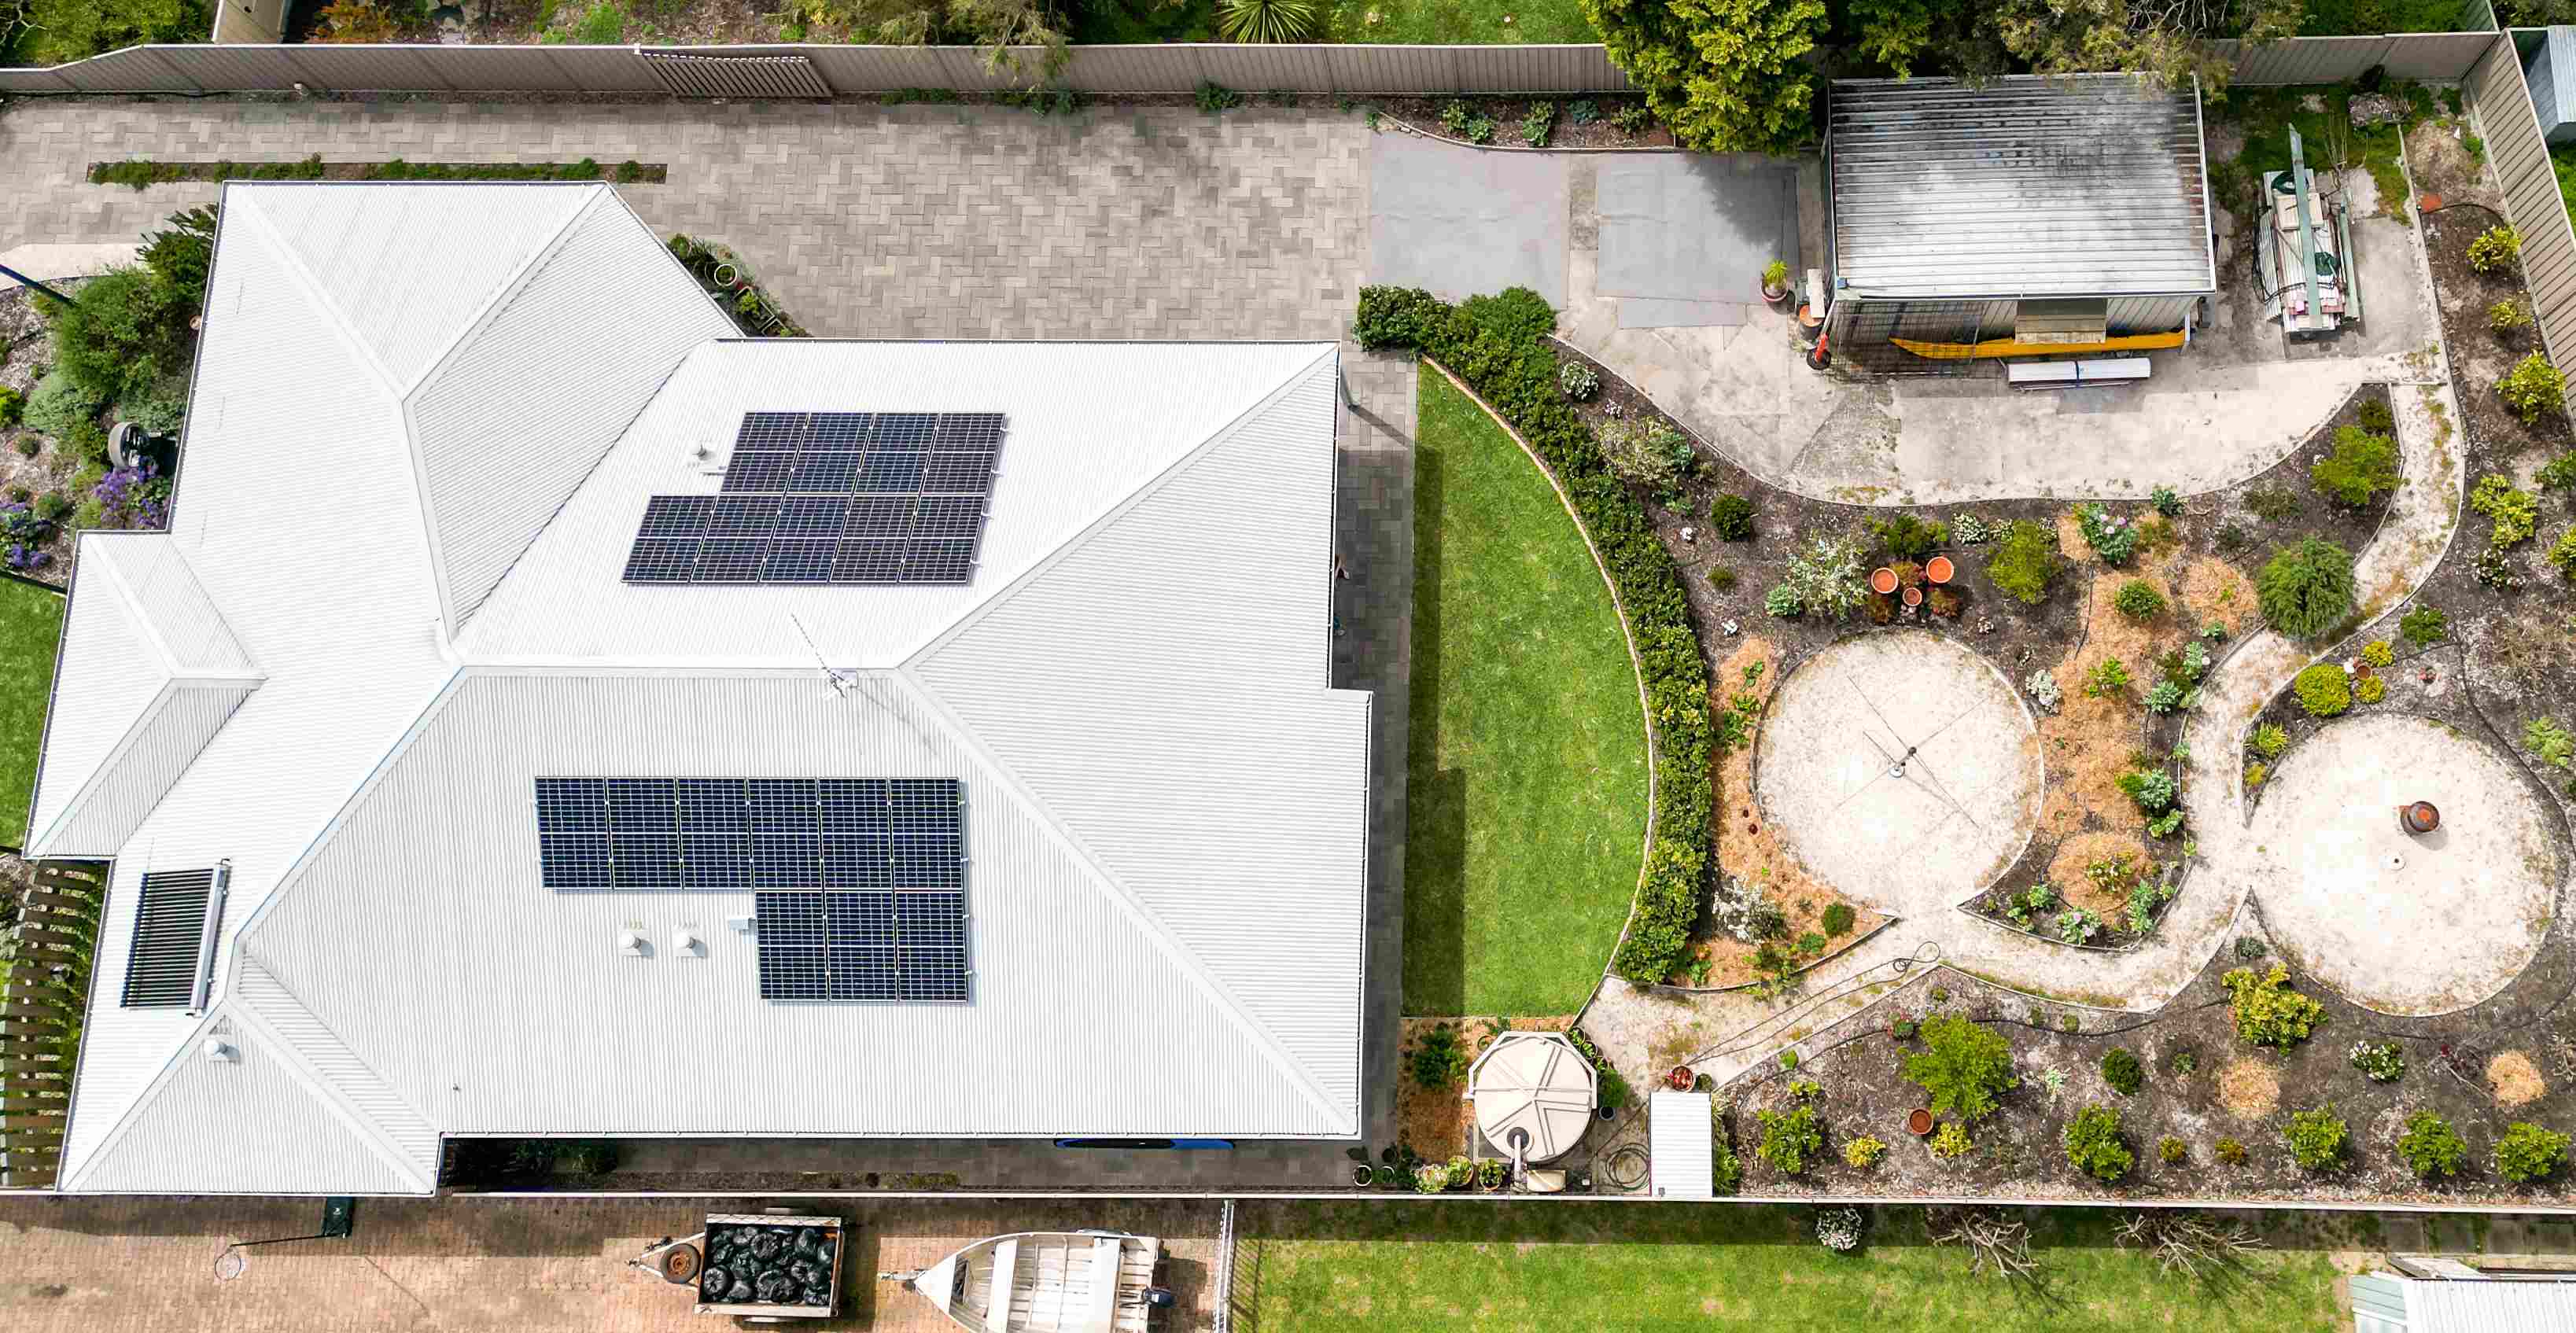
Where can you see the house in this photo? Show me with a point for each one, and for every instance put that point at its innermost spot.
(550, 714)
(2029, 216)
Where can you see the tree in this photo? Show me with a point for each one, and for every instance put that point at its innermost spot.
(1727, 76)
(1965, 1067)
(2306, 589)
(185, 254)
(129, 331)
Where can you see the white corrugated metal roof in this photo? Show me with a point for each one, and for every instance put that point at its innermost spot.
(2489, 1305)
(1168, 806)
(2072, 185)
(1681, 1150)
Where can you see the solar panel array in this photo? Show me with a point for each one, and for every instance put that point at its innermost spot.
(832, 497)
(864, 878)
(169, 939)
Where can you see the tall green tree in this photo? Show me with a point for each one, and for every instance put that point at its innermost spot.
(1729, 76)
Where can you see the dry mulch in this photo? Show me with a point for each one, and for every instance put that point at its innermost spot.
(1435, 1122)
(2514, 1079)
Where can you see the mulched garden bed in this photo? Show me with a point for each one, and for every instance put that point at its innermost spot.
(1571, 122)
(2233, 1091)
(142, 174)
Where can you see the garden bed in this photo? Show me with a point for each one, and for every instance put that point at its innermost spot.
(1511, 122)
(2202, 1087)
(141, 174)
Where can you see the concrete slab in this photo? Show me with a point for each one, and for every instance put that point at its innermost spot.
(1694, 226)
(1649, 313)
(49, 262)
(1901, 768)
(1462, 222)
(2405, 925)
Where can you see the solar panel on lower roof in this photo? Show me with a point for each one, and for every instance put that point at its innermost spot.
(916, 486)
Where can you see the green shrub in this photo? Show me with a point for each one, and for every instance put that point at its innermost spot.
(2024, 562)
(1828, 575)
(2431, 1147)
(2375, 416)
(1789, 1140)
(2558, 474)
(1838, 918)
(2167, 501)
(1726, 1170)
(2324, 690)
(1730, 516)
(129, 332)
(2306, 590)
(2424, 626)
(2229, 1151)
(1864, 1152)
(2362, 467)
(2379, 653)
(2138, 600)
(2316, 1138)
(1964, 1067)
(1721, 577)
(2549, 742)
(2516, 512)
(2494, 248)
(2369, 690)
(1440, 1060)
(2533, 388)
(2270, 740)
(1905, 537)
(2508, 316)
(2267, 1011)
(2528, 1152)
(2120, 1069)
(1727, 75)
(13, 406)
(2108, 678)
(1497, 348)
(2563, 554)
(1950, 1140)
(2113, 539)
(2153, 789)
(2170, 1150)
(59, 406)
(183, 255)
(2094, 1144)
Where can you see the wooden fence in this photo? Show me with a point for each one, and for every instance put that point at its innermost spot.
(2501, 103)
(40, 1017)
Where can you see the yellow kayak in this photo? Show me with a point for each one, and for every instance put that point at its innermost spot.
(2130, 342)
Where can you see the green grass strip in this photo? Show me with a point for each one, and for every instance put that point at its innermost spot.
(31, 624)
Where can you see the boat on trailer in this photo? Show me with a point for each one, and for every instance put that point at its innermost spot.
(1046, 1282)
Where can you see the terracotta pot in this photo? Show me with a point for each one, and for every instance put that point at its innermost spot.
(1913, 597)
(1939, 569)
(2419, 817)
(1680, 1078)
(1776, 295)
(1882, 580)
(1810, 317)
(1919, 1123)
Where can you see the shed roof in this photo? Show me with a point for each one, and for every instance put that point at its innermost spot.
(2085, 185)
(1681, 1157)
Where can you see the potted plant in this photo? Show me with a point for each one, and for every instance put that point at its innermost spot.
(1907, 572)
(1462, 1172)
(1775, 282)
(1489, 1174)
(1361, 1176)
(1384, 1175)
(1882, 581)
(1939, 569)
(1918, 1122)
(1679, 1078)
(1913, 597)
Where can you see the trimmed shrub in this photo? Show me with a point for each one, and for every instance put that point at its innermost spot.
(2120, 1069)
(2516, 511)
(2494, 249)
(2324, 690)
(2138, 600)
(2316, 1138)
(1496, 347)
(2024, 562)
(1730, 516)
(2267, 1011)
(2270, 740)
(1789, 1140)
(2094, 1144)
(1838, 918)
(2369, 690)
(2362, 467)
(2431, 1147)
(2534, 388)
(1964, 1067)
(2528, 1152)
(2563, 555)
(2307, 589)
(2424, 626)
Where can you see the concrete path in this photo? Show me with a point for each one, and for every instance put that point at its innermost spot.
(507, 1266)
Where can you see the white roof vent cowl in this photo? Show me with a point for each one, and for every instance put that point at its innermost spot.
(630, 941)
(221, 1051)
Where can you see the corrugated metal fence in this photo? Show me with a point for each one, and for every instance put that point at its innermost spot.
(1174, 68)
(2511, 129)
(1177, 68)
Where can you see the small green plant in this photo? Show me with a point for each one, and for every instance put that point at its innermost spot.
(2324, 690)
(1965, 1067)
(1721, 577)
(2558, 474)
(2170, 1150)
(2379, 653)
(2274, 504)
(2095, 1145)
(2120, 1069)
(2533, 388)
(1863, 1152)
(2256, 775)
(2153, 789)
(2166, 501)
(2166, 696)
(2494, 248)
(2138, 600)
(1838, 918)
(2424, 626)
(1440, 1059)
(2379, 1061)
(2562, 554)
(2024, 562)
(2431, 1147)
(2184, 1063)
(2509, 316)
(2229, 1151)
(1775, 276)
(1578, 381)
(1266, 20)
(2549, 742)
(2369, 690)
(1730, 516)
(1789, 1058)
(2306, 589)
(2270, 740)
(2077, 925)
(2362, 467)
(1538, 124)
(2267, 1011)
(2516, 511)
(1789, 1140)
(2316, 1138)
(1783, 601)
(2528, 1152)
(1950, 1140)
(2107, 679)
(603, 24)
(1214, 97)
(2111, 538)
(2375, 416)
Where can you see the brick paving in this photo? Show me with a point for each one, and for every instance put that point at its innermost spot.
(148, 1265)
(917, 221)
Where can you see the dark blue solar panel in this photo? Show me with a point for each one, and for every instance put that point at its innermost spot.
(794, 963)
(890, 470)
(798, 562)
(645, 860)
(574, 860)
(759, 472)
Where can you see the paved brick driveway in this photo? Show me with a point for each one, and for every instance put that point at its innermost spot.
(110, 1266)
(867, 221)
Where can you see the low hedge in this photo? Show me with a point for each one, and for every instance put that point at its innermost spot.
(1497, 344)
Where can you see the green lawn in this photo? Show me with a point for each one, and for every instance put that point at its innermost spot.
(1459, 22)
(1427, 1267)
(1526, 779)
(31, 622)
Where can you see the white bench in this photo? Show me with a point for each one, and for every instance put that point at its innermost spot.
(2075, 374)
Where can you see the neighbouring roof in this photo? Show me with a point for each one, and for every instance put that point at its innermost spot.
(2387, 1303)
(404, 508)
(2077, 185)
(1681, 1156)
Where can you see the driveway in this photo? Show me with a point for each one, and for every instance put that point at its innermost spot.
(148, 1265)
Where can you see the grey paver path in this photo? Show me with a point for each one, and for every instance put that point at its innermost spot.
(907, 221)
(147, 1265)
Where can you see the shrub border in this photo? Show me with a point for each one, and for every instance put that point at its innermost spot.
(143, 173)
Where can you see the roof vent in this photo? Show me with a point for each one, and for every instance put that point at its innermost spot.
(685, 942)
(740, 925)
(630, 939)
(221, 1052)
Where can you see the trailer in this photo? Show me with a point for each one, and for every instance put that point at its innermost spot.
(764, 1267)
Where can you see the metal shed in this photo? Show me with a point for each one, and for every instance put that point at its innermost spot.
(2551, 73)
(1681, 1146)
(2030, 216)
